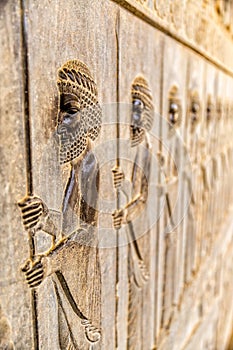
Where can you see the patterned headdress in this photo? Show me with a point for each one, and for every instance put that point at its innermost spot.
(74, 77)
(140, 90)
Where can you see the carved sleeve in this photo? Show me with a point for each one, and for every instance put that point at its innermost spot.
(52, 223)
(89, 192)
(140, 186)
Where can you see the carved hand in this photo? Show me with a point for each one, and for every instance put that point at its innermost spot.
(118, 217)
(32, 210)
(118, 177)
(161, 158)
(92, 333)
(34, 272)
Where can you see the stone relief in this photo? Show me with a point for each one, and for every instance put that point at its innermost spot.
(77, 290)
(5, 332)
(141, 121)
(191, 182)
(195, 22)
(73, 229)
(168, 167)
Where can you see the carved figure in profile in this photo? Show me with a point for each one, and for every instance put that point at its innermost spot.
(141, 122)
(192, 185)
(72, 263)
(168, 159)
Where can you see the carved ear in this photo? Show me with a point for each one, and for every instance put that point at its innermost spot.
(93, 119)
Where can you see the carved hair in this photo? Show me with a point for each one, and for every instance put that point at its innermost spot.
(74, 77)
(174, 107)
(140, 90)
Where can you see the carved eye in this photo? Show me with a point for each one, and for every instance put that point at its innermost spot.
(70, 117)
(72, 111)
(219, 110)
(173, 112)
(208, 112)
(138, 104)
(195, 107)
(195, 111)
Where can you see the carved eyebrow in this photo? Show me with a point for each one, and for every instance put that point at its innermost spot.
(69, 98)
(70, 105)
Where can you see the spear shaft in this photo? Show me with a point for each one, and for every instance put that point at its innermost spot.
(28, 157)
(117, 32)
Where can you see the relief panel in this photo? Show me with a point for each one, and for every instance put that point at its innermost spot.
(208, 166)
(68, 196)
(73, 242)
(194, 121)
(139, 93)
(172, 157)
(14, 294)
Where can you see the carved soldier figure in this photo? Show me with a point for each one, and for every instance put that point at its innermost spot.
(192, 186)
(207, 178)
(72, 262)
(168, 157)
(141, 123)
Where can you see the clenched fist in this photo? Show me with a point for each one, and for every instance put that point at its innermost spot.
(118, 177)
(34, 272)
(32, 209)
(118, 217)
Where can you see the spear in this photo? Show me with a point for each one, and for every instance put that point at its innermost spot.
(28, 156)
(117, 32)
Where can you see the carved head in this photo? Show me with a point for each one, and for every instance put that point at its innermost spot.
(79, 115)
(194, 111)
(174, 110)
(209, 110)
(142, 110)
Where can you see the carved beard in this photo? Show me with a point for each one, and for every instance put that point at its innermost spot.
(147, 119)
(136, 135)
(72, 145)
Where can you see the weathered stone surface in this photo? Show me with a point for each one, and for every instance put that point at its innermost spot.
(15, 296)
(135, 258)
